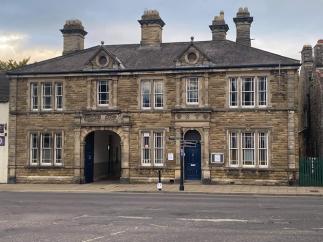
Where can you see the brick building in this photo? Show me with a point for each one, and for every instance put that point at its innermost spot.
(311, 101)
(121, 111)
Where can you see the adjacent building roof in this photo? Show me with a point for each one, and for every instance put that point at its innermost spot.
(222, 54)
(4, 88)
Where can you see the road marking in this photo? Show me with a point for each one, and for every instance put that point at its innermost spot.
(135, 217)
(93, 239)
(317, 228)
(159, 226)
(212, 220)
(3, 221)
(120, 232)
(82, 216)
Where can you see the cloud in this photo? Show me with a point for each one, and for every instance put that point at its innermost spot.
(14, 46)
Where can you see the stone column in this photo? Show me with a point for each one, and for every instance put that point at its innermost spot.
(78, 156)
(206, 174)
(12, 131)
(178, 92)
(291, 143)
(115, 93)
(125, 156)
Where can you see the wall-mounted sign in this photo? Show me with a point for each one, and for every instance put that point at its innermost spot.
(2, 128)
(170, 156)
(2, 141)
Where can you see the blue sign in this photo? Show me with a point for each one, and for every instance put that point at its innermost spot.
(2, 140)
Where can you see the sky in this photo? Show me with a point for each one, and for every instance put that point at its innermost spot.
(30, 28)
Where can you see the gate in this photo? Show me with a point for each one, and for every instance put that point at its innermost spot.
(311, 172)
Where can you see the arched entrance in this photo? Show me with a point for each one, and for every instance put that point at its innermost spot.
(102, 158)
(192, 158)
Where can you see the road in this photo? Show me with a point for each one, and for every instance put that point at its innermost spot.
(158, 217)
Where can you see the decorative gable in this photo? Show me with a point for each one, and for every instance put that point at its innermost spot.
(104, 59)
(192, 56)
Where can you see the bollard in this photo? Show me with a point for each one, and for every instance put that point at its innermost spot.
(159, 184)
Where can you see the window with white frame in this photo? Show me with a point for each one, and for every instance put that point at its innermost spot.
(47, 96)
(146, 94)
(233, 92)
(158, 149)
(34, 149)
(248, 149)
(262, 91)
(158, 94)
(152, 148)
(152, 94)
(42, 96)
(103, 93)
(46, 149)
(58, 149)
(234, 151)
(248, 92)
(263, 149)
(192, 90)
(34, 96)
(58, 96)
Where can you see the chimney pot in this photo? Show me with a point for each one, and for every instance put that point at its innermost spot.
(219, 28)
(243, 22)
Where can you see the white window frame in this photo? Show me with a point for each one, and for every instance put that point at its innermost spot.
(42, 148)
(231, 92)
(34, 98)
(237, 149)
(253, 92)
(99, 92)
(58, 148)
(59, 96)
(43, 96)
(189, 90)
(259, 79)
(144, 147)
(33, 149)
(156, 93)
(263, 148)
(156, 148)
(142, 94)
(251, 148)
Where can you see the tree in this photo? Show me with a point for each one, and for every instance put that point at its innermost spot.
(12, 64)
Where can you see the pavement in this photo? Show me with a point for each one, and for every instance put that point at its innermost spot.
(108, 187)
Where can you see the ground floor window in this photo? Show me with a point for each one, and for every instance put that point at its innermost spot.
(248, 148)
(46, 148)
(152, 148)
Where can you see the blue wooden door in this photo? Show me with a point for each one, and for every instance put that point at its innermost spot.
(192, 162)
(89, 158)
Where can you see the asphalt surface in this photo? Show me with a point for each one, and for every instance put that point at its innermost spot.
(158, 217)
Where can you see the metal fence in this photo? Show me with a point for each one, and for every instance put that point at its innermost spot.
(311, 171)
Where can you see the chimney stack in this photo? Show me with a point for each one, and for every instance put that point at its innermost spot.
(243, 22)
(307, 54)
(219, 28)
(318, 54)
(151, 28)
(73, 34)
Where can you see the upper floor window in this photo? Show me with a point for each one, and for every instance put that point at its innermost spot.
(103, 93)
(192, 90)
(248, 149)
(152, 94)
(44, 100)
(46, 149)
(152, 148)
(248, 92)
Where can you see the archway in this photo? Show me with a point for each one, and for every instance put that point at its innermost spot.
(192, 158)
(102, 158)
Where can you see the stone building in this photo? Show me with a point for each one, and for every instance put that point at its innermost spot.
(4, 119)
(311, 101)
(123, 111)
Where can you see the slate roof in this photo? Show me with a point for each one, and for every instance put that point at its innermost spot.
(4, 88)
(222, 54)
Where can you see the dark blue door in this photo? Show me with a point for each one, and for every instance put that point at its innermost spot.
(89, 158)
(192, 162)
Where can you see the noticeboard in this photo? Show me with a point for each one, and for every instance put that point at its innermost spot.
(2, 140)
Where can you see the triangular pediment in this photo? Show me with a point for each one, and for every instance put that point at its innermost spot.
(104, 59)
(192, 56)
